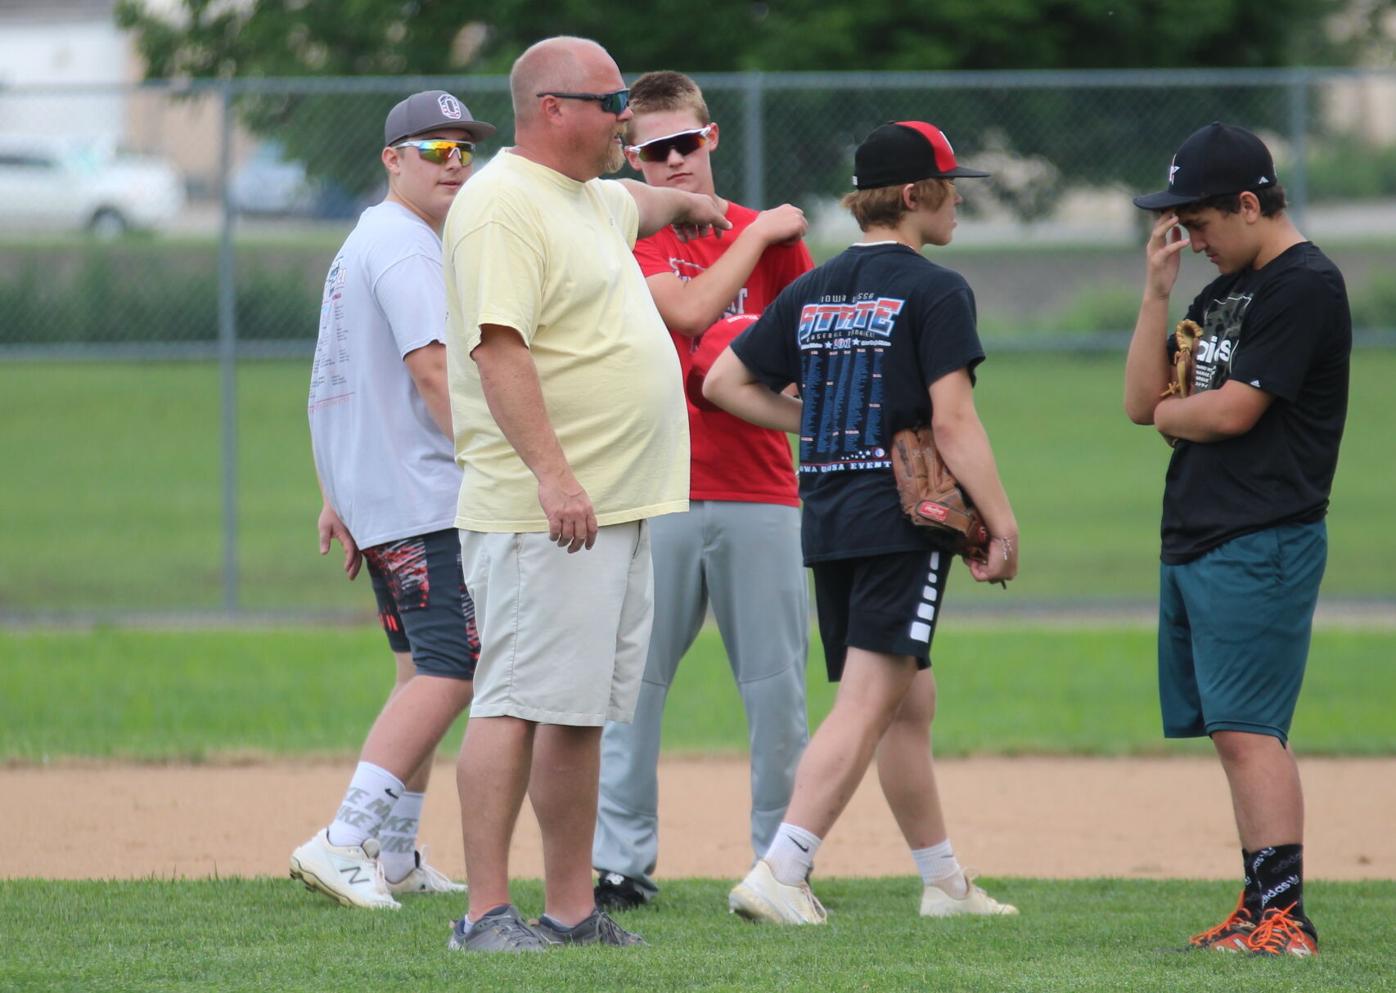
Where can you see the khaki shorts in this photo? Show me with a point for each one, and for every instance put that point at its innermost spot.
(562, 637)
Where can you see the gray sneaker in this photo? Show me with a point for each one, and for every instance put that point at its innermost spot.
(498, 930)
(596, 929)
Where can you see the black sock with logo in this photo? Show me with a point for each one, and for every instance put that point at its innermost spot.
(1279, 873)
(1251, 900)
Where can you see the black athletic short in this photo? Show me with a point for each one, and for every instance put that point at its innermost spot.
(423, 603)
(882, 603)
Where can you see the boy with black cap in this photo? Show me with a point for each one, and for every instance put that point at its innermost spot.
(380, 429)
(877, 339)
(1255, 445)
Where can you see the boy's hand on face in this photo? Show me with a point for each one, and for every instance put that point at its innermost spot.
(783, 225)
(1163, 255)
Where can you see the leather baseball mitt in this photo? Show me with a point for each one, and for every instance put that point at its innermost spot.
(1185, 336)
(932, 498)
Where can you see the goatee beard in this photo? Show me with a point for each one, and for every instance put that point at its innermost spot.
(615, 158)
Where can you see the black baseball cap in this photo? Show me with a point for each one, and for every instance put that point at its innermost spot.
(906, 152)
(1215, 160)
(431, 110)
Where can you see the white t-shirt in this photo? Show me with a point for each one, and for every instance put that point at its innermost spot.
(386, 468)
(530, 249)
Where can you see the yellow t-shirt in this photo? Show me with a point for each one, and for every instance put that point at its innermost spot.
(530, 249)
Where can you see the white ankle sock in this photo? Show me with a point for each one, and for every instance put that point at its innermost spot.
(398, 836)
(791, 855)
(939, 867)
(367, 803)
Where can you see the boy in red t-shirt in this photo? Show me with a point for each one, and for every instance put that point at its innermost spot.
(737, 549)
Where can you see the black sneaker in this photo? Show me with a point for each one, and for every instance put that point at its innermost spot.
(596, 929)
(615, 893)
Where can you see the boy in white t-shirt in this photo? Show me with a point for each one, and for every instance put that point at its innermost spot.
(380, 427)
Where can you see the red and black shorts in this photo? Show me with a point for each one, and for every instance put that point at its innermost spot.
(423, 603)
(880, 603)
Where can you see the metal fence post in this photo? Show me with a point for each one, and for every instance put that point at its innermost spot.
(754, 182)
(1297, 185)
(227, 358)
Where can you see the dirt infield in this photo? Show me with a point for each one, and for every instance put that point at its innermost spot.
(1153, 818)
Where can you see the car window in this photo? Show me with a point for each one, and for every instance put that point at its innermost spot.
(31, 160)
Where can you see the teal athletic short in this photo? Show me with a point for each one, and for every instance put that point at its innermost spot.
(1233, 632)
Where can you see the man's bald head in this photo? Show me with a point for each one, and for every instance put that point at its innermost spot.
(553, 64)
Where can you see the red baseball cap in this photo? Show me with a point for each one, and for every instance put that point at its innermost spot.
(906, 152)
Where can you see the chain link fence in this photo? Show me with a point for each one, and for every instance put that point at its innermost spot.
(197, 222)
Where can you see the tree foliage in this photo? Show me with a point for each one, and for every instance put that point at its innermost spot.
(258, 38)
(390, 37)
(1049, 34)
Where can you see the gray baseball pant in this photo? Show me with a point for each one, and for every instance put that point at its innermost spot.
(743, 559)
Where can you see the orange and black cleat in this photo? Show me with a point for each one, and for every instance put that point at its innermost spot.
(1280, 933)
(1231, 934)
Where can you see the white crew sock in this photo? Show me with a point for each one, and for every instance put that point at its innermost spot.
(398, 836)
(791, 855)
(367, 803)
(939, 867)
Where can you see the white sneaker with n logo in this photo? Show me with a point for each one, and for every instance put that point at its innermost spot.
(350, 874)
(425, 878)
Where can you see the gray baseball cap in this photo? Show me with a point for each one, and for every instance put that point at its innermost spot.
(431, 110)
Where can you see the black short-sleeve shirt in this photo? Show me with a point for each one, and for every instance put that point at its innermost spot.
(863, 336)
(1284, 329)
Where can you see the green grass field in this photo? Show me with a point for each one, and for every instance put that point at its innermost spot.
(216, 694)
(111, 501)
(1073, 937)
(111, 504)
(206, 695)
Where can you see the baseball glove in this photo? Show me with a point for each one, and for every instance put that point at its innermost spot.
(1185, 336)
(932, 498)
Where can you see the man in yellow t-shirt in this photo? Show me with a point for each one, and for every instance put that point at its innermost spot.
(571, 431)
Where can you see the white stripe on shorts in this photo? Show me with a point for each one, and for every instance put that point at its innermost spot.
(920, 629)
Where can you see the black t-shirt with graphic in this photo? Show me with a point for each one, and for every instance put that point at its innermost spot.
(1284, 329)
(863, 336)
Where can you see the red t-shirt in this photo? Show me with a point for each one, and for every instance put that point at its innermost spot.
(731, 459)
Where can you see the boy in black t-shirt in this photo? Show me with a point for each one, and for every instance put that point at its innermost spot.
(1244, 541)
(877, 339)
